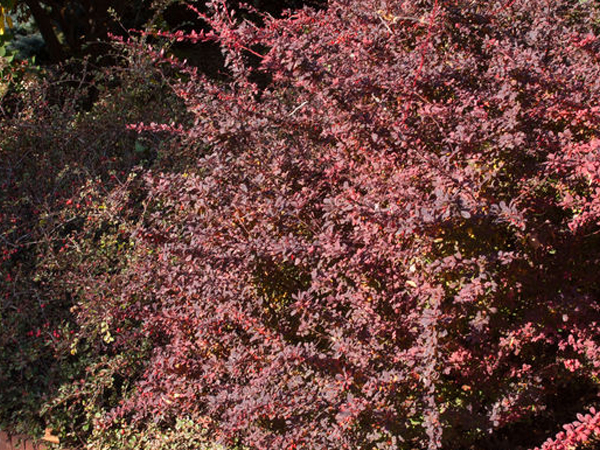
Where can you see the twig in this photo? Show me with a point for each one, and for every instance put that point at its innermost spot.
(297, 108)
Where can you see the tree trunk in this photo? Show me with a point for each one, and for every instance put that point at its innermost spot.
(45, 25)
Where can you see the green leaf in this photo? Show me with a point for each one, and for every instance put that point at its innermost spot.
(139, 147)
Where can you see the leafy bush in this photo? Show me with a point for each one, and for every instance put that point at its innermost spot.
(66, 156)
(391, 243)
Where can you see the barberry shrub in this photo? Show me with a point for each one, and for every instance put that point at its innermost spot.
(391, 243)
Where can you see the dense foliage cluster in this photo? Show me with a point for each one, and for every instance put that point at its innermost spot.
(380, 230)
(63, 167)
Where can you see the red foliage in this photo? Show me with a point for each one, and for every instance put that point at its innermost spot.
(576, 433)
(394, 244)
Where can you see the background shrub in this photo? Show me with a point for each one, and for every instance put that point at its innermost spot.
(66, 158)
